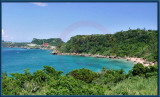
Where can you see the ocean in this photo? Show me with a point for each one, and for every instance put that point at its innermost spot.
(15, 60)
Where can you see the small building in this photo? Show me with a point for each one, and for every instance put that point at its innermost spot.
(45, 44)
(31, 44)
(53, 47)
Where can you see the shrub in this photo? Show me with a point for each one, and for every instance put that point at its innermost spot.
(138, 69)
(51, 71)
(114, 75)
(39, 76)
(84, 75)
(82, 82)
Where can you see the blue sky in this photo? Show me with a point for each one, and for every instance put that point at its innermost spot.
(21, 22)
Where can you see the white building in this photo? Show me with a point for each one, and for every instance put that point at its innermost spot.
(32, 44)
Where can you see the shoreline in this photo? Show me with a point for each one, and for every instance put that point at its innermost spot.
(127, 58)
(32, 48)
(133, 59)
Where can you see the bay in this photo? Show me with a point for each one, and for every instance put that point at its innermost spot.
(15, 60)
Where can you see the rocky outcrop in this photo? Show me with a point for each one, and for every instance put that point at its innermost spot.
(54, 52)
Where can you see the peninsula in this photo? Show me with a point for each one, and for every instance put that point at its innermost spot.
(137, 45)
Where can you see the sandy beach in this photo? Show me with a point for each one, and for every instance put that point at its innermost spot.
(139, 60)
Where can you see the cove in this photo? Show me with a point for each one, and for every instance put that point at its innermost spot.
(15, 60)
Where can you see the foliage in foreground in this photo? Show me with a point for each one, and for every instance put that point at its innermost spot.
(139, 81)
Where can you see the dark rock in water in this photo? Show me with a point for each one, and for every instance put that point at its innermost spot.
(54, 52)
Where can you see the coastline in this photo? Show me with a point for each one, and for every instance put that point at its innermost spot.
(127, 58)
(32, 48)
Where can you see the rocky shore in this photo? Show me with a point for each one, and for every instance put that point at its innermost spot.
(133, 59)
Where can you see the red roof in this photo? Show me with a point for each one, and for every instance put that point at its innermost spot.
(45, 44)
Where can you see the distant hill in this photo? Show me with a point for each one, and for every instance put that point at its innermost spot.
(13, 44)
(50, 41)
(133, 43)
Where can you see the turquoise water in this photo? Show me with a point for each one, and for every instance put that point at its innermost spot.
(15, 60)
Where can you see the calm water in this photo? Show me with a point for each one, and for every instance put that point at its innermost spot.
(15, 60)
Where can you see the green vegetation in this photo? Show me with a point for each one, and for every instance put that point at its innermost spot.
(139, 81)
(13, 44)
(39, 42)
(51, 41)
(134, 43)
(85, 75)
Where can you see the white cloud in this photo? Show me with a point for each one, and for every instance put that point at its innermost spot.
(40, 4)
(3, 34)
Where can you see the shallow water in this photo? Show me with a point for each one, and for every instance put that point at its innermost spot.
(15, 60)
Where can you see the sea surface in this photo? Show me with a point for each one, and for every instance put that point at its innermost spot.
(15, 60)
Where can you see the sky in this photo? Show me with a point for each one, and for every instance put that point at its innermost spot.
(21, 22)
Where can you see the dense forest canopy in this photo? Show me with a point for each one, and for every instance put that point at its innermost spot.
(50, 41)
(134, 43)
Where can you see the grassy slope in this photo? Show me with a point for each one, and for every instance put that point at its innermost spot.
(134, 86)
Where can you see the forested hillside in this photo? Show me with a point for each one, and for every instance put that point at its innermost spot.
(51, 41)
(133, 43)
